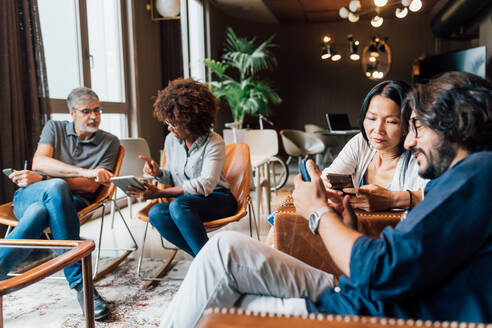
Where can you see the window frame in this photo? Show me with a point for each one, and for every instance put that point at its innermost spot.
(58, 105)
(186, 38)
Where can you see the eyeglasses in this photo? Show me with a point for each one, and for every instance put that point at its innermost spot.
(415, 125)
(169, 124)
(88, 111)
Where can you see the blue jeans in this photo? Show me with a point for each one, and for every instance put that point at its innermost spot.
(45, 204)
(180, 221)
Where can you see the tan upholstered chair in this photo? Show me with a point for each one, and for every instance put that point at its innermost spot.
(94, 210)
(292, 234)
(237, 172)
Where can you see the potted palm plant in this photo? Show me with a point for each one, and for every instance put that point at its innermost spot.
(246, 94)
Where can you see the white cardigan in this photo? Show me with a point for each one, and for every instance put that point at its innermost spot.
(356, 156)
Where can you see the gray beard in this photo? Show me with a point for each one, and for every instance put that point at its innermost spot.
(85, 128)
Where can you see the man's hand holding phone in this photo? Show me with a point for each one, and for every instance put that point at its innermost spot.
(22, 178)
(309, 193)
(303, 169)
(308, 197)
(7, 172)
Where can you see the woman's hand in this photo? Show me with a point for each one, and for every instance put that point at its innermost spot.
(371, 198)
(25, 178)
(151, 167)
(150, 191)
(329, 187)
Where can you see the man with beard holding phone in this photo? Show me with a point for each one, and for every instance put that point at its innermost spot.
(72, 160)
(434, 265)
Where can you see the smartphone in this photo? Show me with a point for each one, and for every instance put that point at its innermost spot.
(303, 170)
(8, 171)
(339, 181)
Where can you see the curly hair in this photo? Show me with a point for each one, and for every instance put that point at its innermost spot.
(187, 104)
(458, 106)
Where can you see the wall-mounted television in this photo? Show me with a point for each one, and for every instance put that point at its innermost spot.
(468, 60)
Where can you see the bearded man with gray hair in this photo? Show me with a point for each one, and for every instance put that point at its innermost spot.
(72, 160)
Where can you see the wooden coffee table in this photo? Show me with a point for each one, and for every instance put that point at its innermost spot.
(76, 250)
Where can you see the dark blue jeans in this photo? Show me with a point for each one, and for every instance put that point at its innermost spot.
(180, 221)
(45, 204)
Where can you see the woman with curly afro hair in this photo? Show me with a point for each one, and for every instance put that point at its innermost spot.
(195, 157)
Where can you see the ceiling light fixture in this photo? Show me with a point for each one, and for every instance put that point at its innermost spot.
(377, 21)
(353, 11)
(415, 5)
(353, 46)
(343, 12)
(336, 57)
(401, 13)
(375, 57)
(326, 50)
(163, 9)
(354, 6)
(326, 53)
(353, 18)
(380, 3)
(354, 57)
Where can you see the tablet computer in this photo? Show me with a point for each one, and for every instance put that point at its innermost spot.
(127, 180)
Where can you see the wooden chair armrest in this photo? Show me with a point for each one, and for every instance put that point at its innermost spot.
(239, 318)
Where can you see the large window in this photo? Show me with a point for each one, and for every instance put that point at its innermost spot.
(84, 46)
(194, 24)
(60, 30)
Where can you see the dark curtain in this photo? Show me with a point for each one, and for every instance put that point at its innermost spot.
(172, 56)
(23, 87)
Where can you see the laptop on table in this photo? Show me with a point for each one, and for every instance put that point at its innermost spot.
(340, 124)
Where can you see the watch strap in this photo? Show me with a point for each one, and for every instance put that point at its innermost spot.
(316, 217)
(320, 211)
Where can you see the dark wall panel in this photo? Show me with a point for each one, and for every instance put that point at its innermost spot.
(148, 73)
(309, 87)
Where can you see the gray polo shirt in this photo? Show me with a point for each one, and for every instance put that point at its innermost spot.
(101, 150)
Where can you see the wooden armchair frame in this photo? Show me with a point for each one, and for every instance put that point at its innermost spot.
(78, 250)
(238, 318)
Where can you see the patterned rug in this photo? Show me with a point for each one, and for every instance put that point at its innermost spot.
(50, 303)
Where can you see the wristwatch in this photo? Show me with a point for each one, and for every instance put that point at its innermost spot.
(316, 216)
